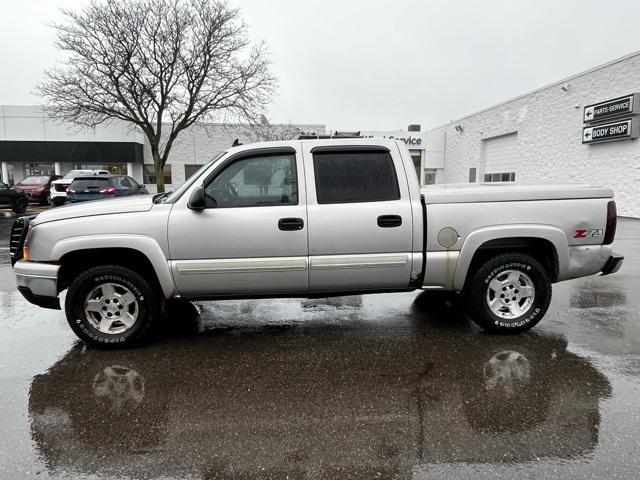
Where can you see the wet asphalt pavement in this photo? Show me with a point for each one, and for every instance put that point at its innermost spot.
(378, 386)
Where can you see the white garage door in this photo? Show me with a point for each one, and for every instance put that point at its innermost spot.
(501, 158)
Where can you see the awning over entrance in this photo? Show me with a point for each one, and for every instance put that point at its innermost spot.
(71, 152)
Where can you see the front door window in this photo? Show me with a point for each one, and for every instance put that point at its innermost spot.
(255, 182)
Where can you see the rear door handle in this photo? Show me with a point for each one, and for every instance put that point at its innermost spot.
(389, 221)
(290, 224)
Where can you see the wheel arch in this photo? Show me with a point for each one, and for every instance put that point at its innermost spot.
(547, 244)
(141, 254)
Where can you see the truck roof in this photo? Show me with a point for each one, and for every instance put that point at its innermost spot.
(313, 142)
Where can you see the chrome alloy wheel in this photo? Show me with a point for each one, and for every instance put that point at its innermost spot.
(111, 308)
(510, 294)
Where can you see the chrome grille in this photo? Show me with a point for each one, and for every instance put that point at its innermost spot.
(17, 238)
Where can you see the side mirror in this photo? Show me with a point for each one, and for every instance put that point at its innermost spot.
(197, 201)
(141, 186)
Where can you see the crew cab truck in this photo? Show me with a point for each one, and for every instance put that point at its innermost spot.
(312, 218)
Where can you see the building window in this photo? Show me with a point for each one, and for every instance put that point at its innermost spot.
(500, 177)
(355, 176)
(417, 161)
(38, 169)
(190, 169)
(472, 175)
(429, 177)
(149, 175)
(112, 168)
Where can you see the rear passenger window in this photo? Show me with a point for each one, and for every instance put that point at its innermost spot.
(90, 183)
(355, 176)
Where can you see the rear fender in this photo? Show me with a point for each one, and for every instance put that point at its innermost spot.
(479, 237)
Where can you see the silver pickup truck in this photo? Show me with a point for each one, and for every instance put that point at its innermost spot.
(312, 218)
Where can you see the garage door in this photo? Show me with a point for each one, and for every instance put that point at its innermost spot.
(501, 158)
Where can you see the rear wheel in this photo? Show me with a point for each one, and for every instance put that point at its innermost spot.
(112, 307)
(45, 200)
(20, 205)
(510, 293)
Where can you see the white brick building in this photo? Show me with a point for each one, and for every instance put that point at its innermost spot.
(537, 137)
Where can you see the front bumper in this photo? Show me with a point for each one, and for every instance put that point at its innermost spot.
(35, 196)
(613, 264)
(38, 283)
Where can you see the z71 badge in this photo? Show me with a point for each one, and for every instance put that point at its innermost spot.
(589, 233)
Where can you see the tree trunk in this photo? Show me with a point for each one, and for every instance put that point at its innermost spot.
(159, 178)
(159, 169)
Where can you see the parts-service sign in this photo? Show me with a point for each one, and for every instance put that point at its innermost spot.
(621, 130)
(616, 107)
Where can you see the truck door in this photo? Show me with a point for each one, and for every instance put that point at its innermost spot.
(253, 237)
(360, 217)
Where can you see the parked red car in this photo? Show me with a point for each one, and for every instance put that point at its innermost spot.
(37, 187)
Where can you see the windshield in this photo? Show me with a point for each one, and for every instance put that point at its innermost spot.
(35, 180)
(77, 173)
(173, 196)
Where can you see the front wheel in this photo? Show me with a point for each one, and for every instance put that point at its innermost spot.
(510, 293)
(20, 205)
(112, 307)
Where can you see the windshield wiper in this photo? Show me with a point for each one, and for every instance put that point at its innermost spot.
(159, 196)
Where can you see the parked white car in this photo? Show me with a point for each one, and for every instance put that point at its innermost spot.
(312, 218)
(59, 187)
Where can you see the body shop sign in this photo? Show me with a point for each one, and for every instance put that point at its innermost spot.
(611, 108)
(611, 131)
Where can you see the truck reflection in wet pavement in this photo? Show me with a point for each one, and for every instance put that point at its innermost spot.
(320, 400)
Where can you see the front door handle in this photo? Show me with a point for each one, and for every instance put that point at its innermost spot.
(389, 221)
(290, 224)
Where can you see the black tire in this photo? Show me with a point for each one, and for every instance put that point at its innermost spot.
(44, 201)
(57, 201)
(150, 307)
(20, 205)
(477, 296)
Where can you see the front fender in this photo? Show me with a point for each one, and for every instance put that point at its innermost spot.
(479, 237)
(145, 245)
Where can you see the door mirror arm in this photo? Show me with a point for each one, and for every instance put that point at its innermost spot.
(198, 200)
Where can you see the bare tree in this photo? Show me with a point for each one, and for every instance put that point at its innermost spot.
(162, 65)
(263, 130)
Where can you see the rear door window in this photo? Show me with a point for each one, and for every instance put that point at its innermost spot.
(355, 176)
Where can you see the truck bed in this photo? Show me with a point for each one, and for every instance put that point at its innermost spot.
(501, 192)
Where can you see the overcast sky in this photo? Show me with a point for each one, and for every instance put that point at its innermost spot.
(379, 64)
